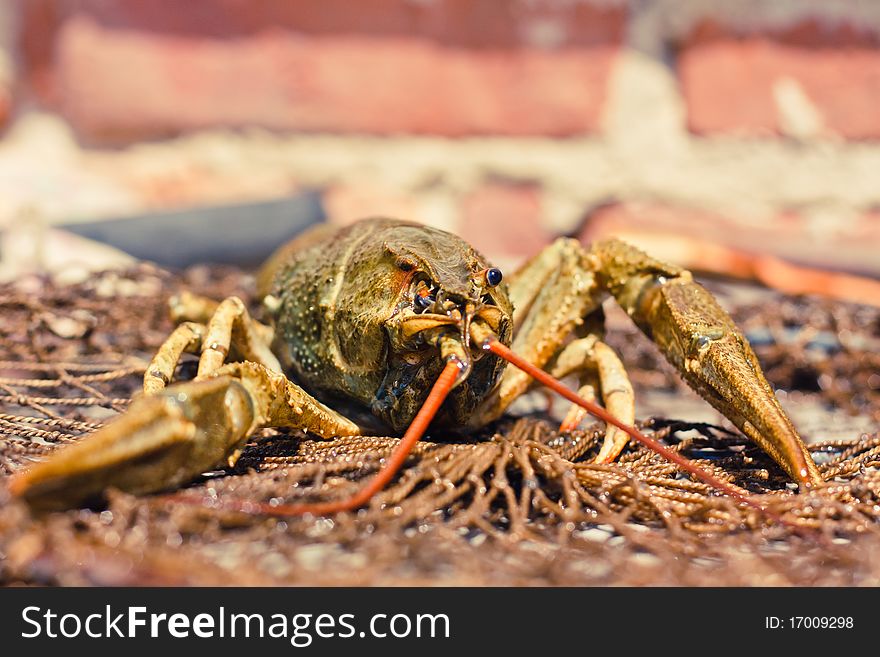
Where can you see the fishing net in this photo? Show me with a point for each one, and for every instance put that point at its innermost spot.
(517, 504)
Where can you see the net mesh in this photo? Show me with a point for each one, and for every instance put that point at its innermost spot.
(517, 504)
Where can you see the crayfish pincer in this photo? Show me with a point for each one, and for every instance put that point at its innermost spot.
(387, 326)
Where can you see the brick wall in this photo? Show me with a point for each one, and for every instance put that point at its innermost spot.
(749, 122)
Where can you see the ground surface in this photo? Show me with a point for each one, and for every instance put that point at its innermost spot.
(516, 505)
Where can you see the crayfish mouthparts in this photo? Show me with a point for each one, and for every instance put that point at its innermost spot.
(453, 351)
(413, 324)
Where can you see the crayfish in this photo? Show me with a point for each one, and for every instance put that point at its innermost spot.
(387, 326)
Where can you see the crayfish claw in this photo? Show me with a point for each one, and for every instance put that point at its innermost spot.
(704, 344)
(163, 441)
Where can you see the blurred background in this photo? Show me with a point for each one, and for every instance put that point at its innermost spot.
(708, 132)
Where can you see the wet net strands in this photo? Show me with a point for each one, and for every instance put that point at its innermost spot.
(518, 503)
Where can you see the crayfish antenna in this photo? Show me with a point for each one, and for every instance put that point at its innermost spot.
(453, 372)
(492, 344)
(449, 377)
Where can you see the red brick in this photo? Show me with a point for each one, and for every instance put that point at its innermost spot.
(124, 69)
(6, 105)
(503, 221)
(727, 78)
(468, 23)
(644, 222)
(684, 235)
(39, 21)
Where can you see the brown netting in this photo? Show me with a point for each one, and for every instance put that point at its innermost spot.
(518, 504)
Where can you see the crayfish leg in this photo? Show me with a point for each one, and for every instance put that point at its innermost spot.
(602, 372)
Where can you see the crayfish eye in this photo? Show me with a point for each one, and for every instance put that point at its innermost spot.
(486, 278)
(493, 276)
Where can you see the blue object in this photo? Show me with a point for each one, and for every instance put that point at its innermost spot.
(243, 234)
